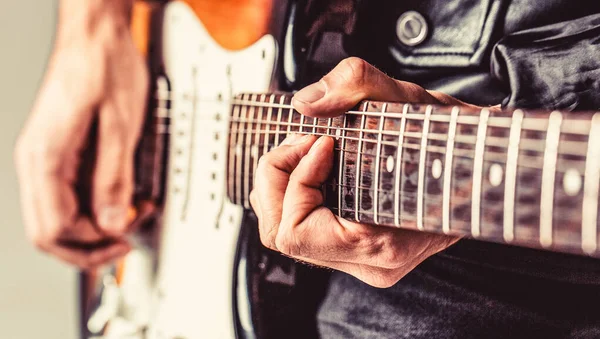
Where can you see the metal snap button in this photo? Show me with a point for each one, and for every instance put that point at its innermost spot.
(411, 28)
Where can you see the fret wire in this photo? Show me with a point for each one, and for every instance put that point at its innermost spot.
(269, 114)
(279, 111)
(510, 178)
(448, 170)
(329, 123)
(435, 197)
(421, 177)
(341, 169)
(358, 163)
(315, 125)
(576, 147)
(301, 123)
(478, 173)
(389, 215)
(591, 187)
(255, 149)
(240, 157)
(232, 154)
(290, 115)
(247, 158)
(399, 167)
(378, 165)
(548, 178)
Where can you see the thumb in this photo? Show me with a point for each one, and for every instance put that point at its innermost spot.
(113, 176)
(350, 82)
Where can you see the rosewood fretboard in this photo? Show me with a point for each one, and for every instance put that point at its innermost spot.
(524, 178)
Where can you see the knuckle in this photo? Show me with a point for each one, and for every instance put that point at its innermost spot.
(267, 235)
(264, 162)
(53, 233)
(288, 244)
(113, 186)
(38, 240)
(388, 253)
(355, 68)
(83, 263)
(284, 245)
(43, 155)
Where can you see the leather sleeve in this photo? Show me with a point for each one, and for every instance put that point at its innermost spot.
(555, 66)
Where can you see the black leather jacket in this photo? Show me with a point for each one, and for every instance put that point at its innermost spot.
(518, 53)
(521, 53)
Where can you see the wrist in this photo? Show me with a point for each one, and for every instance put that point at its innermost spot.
(93, 19)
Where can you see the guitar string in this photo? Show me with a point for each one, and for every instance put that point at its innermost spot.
(469, 119)
(571, 148)
(568, 147)
(417, 136)
(525, 161)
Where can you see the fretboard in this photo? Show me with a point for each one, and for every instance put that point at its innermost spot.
(523, 178)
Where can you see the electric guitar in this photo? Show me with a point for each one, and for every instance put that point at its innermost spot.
(527, 178)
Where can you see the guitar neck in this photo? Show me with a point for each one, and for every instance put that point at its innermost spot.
(523, 178)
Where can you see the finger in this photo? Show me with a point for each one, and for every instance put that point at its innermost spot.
(255, 203)
(88, 259)
(113, 175)
(60, 218)
(307, 228)
(350, 82)
(271, 181)
(303, 194)
(46, 159)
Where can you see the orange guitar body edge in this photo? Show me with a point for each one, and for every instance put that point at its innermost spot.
(233, 24)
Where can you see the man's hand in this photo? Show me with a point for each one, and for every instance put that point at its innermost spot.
(288, 199)
(95, 72)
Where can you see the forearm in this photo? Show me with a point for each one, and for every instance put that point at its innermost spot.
(92, 18)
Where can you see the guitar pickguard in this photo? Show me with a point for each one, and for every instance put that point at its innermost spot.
(189, 292)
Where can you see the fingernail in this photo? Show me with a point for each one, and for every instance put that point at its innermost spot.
(289, 139)
(311, 93)
(296, 139)
(113, 218)
(302, 140)
(316, 145)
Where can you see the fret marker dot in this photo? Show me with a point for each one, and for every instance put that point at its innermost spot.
(255, 151)
(338, 133)
(389, 164)
(436, 168)
(496, 174)
(572, 182)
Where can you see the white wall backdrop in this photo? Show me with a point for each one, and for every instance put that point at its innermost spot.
(37, 294)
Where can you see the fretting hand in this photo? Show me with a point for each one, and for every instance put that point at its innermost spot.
(288, 199)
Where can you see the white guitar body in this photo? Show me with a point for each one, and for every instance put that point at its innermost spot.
(189, 292)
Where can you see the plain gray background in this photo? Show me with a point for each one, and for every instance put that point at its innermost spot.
(38, 297)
